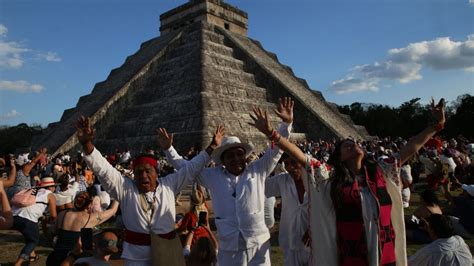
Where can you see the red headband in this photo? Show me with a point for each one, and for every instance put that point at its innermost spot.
(144, 160)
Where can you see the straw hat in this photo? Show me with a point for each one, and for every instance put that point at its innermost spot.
(47, 182)
(228, 143)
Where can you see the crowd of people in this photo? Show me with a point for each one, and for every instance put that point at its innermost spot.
(340, 202)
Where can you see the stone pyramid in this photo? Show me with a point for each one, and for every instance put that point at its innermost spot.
(202, 70)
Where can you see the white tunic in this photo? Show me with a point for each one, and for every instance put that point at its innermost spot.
(238, 201)
(443, 251)
(126, 192)
(294, 215)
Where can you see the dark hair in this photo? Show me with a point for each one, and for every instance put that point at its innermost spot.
(203, 253)
(430, 197)
(63, 180)
(82, 201)
(341, 175)
(441, 225)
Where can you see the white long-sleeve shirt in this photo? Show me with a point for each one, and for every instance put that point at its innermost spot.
(294, 221)
(238, 201)
(126, 192)
(444, 251)
(67, 196)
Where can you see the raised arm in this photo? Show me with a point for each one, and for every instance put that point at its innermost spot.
(165, 141)
(416, 142)
(6, 220)
(260, 120)
(194, 167)
(27, 168)
(102, 217)
(109, 177)
(12, 176)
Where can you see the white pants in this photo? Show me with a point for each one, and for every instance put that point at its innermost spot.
(296, 257)
(259, 255)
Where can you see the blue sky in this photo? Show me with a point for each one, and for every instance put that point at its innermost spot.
(378, 51)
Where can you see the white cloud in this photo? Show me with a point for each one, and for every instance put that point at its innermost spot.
(11, 55)
(12, 114)
(439, 54)
(404, 73)
(50, 57)
(20, 86)
(404, 64)
(351, 84)
(3, 30)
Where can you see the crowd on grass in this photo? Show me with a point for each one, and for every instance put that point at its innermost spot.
(338, 202)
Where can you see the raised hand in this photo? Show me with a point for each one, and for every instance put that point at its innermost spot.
(285, 109)
(438, 110)
(165, 140)
(84, 130)
(261, 122)
(43, 150)
(218, 135)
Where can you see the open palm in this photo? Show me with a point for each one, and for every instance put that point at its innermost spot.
(285, 109)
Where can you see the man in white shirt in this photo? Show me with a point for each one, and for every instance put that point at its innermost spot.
(294, 221)
(147, 205)
(446, 248)
(238, 190)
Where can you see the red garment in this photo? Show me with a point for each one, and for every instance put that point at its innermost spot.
(434, 182)
(352, 245)
(190, 223)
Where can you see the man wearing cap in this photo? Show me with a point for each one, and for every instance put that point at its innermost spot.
(238, 190)
(25, 219)
(147, 205)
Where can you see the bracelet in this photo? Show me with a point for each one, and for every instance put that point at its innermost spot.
(210, 149)
(439, 127)
(275, 138)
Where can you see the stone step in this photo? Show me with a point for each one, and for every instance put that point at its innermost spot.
(218, 48)
(213, 37)
(213, 58)
(230, 74)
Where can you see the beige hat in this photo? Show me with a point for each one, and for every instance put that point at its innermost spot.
(47, 182)
(228, 143)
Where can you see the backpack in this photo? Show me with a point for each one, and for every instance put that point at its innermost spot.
(24, 198)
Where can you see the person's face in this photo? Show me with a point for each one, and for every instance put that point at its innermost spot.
(58, 169)
(234, 160)
(351, 151)
(145, 177)
(294, 168)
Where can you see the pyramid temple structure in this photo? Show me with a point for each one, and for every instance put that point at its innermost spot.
(202, 70)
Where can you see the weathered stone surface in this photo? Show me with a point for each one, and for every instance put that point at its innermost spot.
(189, 81)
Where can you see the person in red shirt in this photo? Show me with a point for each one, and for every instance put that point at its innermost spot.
(195, 223)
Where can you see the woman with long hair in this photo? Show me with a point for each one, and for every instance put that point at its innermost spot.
(356, 212)
(70, 223)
